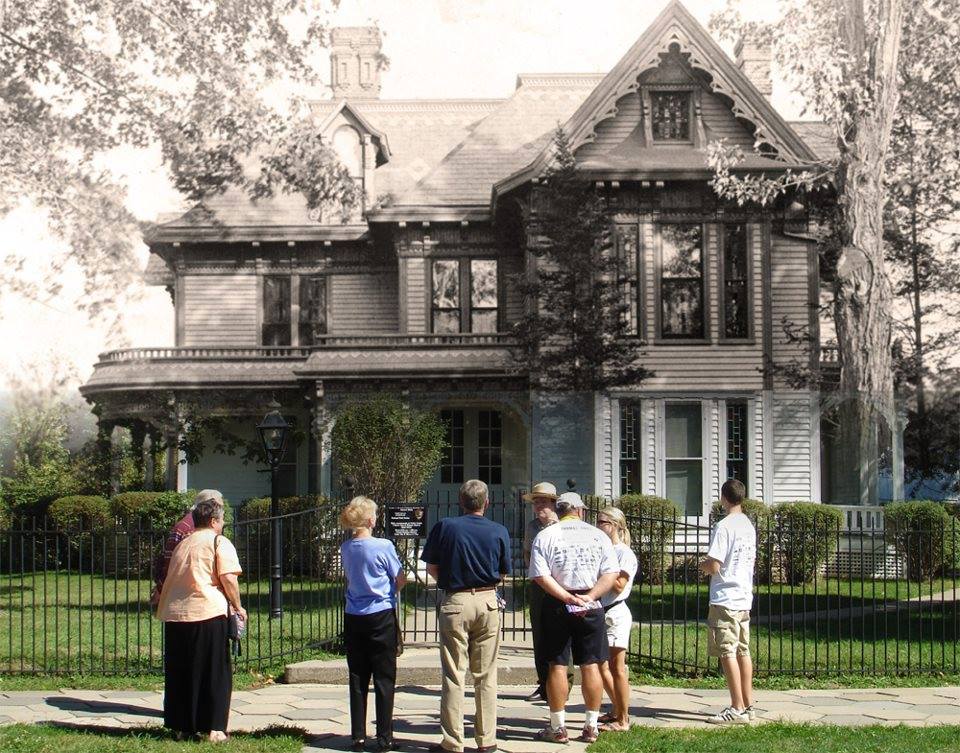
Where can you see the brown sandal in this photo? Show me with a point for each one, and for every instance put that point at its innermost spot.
(606, 718)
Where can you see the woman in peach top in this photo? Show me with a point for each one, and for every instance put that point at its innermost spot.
(201, 582)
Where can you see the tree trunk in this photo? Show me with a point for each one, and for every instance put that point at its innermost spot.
(863, 294)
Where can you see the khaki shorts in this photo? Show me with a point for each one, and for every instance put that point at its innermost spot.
(728, 632)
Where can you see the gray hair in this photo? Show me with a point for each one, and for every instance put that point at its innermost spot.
(207, 507)
(473, 495)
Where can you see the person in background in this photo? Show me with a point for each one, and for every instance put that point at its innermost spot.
(181, 529)
(729, 563)
(374, 578)
(575, 565)
(619, 621)
(543, 497)
(468, 556)
(199, 588)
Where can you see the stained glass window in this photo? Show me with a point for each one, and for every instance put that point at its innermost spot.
(629, 448)
(453, 310)
(671, 116)
(735, 303)
(627, 241)
(681, 281)
(737, 446)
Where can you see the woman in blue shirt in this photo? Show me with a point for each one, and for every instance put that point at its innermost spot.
(374, 577)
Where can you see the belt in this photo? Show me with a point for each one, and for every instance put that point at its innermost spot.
(608, 607)
(475, 589)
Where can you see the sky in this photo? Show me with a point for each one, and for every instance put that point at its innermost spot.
(437, 49)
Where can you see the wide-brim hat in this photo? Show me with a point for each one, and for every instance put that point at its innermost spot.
(543, 489)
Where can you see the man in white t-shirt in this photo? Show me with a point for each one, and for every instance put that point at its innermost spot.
(729, 563)
(574, 563)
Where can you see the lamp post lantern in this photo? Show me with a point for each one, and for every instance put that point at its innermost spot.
(273, 434)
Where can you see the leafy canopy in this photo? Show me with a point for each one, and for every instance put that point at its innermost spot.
(206, 83)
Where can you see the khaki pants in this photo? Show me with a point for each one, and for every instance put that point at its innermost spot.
(469, 636)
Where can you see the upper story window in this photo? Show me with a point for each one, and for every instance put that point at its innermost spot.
(735, 287)
(347, 145)
(276, 311)
(313, 309)
(670, 115)
(626, 249)
(464, 296)
(681, 281)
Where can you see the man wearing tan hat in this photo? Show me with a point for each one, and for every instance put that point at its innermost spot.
(543, 496)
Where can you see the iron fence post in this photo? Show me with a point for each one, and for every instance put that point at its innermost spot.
(276, 547)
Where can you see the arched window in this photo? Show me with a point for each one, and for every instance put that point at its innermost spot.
(346, 143)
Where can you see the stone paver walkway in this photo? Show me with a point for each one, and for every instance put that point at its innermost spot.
(323, 711)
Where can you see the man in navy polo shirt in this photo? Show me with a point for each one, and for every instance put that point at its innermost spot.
(468, 556)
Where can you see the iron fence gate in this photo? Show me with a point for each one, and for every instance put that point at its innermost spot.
(420, 600)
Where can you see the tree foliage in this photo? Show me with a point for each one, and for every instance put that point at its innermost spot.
(387, 448)
(575, 334)
(204, 83)
(842, 56)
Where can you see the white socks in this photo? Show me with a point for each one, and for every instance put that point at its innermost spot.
(558, 719)
(592, 718)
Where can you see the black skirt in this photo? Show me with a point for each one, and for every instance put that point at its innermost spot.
(197, 679)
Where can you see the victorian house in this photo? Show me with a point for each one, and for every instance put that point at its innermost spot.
(416, 294)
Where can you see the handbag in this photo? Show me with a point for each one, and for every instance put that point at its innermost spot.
(235, 626)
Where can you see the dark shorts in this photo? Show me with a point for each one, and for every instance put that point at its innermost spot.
(584, 634)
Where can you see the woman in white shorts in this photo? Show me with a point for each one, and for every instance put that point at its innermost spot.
(613, 522)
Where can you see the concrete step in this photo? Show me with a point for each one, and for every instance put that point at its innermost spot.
(419, 665)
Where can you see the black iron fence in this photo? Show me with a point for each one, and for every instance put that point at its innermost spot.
(828, 600)
(78, 601)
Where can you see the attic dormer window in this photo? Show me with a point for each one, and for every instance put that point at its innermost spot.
(670, 116)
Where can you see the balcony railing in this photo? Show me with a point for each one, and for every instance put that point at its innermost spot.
(326, 342)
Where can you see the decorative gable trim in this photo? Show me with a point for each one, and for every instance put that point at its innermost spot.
(376, 135)
(674, 26)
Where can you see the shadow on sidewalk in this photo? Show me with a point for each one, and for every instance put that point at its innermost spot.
(161, 733)
(66, 703)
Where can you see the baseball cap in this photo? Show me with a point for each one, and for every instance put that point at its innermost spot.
(570, 500)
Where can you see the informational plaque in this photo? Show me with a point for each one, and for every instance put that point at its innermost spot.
(407, 521)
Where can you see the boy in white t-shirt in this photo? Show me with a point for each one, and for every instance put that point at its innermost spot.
(729, 563)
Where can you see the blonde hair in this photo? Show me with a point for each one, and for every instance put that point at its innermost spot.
(619, 520)
(358, 512)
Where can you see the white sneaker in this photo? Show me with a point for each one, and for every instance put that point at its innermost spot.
(750, 713)
(729, 716)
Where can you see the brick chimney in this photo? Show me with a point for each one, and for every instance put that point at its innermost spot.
(354, 62)
(753, 58)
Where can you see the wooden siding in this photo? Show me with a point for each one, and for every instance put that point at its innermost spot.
(793, 454)
(220, 310)
(791, 298)
(511, 267)
(720, 123)
(613, 131)
(757, 455)
(416, 297)
(363, 304)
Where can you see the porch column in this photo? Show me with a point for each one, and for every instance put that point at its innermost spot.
(172, 456)
(319, 463)
(138, 435)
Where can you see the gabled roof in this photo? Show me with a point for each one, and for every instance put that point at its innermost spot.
(377, 136)
(674, 26)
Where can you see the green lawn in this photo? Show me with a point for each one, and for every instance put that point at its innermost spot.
(22, 738)
(783, 738)
(867, 645)
(677, 601)
(86, 624)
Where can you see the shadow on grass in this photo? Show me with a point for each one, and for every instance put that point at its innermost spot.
(162, 733)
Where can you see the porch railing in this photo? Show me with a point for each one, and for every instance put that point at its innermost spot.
(325, 342)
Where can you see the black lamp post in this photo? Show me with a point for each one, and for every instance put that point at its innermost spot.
(273, 434)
